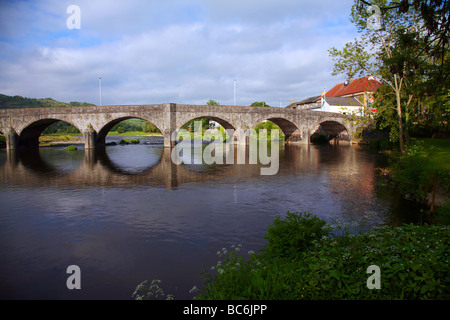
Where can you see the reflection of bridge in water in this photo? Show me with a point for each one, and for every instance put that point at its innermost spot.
(96, 168)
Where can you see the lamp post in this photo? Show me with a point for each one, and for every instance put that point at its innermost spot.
(235, 92)
(100, 88)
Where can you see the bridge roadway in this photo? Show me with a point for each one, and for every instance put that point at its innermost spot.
(23, 126)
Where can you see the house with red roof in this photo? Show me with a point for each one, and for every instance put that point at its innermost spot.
(351, 96)
(358, 92)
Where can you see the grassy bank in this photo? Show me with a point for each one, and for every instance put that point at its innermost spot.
(423, 174)
(305, 259)
(68, 138)
(133, 134)
(57, 139)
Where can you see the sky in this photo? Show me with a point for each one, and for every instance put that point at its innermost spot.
(172, 51)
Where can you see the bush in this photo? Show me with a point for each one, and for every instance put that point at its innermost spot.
(71, 148)
(129, 141)
(419, 170)
(443, 214)
(413, 262)
(290, 237)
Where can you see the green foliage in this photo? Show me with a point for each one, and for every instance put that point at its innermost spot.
(120, 129)
(148, 127)
(212, 103)
(413, 261)
(129, 141)
(71, 148)
(352, 59)
(425, 164)
(18, 101)
(290, 237)
(267, 125)
(259, 104)
(191, 124)
(382, 145)
(60, 127)
(443, 214)
(407, 57)
(134, 125)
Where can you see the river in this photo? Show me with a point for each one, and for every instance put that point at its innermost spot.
(128, 214)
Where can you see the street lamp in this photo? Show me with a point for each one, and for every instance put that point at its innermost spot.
(235, 92)
(100, 87)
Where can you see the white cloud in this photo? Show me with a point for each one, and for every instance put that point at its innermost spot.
(172, 51)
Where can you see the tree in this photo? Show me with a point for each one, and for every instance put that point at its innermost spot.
(259, 104)
(120, 129)
(212, 103)
(399, 53)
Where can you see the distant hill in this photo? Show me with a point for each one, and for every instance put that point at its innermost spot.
(21, 102)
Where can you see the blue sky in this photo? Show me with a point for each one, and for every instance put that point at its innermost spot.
(172, 51)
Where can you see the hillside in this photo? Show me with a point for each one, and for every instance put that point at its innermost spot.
(21, 102)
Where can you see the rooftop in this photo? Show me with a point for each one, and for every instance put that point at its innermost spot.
(365, 84)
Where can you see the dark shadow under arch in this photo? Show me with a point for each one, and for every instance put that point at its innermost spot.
(332, 130)
(29, 137)
(290, 131)
(101, 135)
(2, 140)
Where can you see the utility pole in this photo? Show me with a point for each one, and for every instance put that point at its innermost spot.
(235, 92)
(100, 87)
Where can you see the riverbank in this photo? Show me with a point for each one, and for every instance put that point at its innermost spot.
(68, 139)
(134, 134)
(423, 175)
(60, 139)
(306, 259)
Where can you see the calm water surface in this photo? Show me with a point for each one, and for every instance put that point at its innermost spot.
(128, 214)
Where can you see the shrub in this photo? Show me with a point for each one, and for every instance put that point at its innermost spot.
(129, 141)
(443, 214)
(290, 237)
(413, 262)
(71, 148)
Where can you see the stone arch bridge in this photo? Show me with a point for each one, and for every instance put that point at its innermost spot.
(23, 126)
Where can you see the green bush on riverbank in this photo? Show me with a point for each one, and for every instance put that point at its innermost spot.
(413, 262)
(129, 141)
(424, 169)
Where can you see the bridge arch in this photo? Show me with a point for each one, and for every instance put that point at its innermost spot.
(332, 129)
(223, 122)
(106, 128)
(29, 136)
(290, 130)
